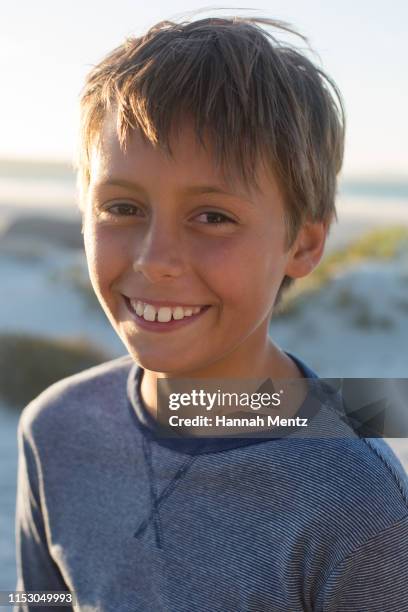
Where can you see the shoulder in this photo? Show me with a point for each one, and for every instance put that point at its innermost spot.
(73, 398)
(362, 476)
(387, 460)
(350, 488)
(362, 465)
(346, 501)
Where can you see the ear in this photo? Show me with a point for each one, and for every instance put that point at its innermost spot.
(307, 249)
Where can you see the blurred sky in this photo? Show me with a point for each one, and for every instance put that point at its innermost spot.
(47, 47)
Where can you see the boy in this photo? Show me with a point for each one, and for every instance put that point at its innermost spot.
(208, 167)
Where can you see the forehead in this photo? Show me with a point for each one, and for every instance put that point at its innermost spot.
(190, 163)
(109, 156)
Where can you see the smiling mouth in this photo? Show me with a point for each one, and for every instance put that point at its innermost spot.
(163, 315)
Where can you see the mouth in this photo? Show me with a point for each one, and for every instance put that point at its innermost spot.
(157, 317)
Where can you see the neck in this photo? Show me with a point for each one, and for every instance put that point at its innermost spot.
(268, 362)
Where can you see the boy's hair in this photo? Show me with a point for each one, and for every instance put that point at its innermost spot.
(255, 98)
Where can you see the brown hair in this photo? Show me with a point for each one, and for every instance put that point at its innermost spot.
(256, 97)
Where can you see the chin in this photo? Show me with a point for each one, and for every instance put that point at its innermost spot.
(157, 363)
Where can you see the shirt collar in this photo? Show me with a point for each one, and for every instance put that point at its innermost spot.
(147, 424)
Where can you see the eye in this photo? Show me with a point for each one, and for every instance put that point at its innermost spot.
(215, 218)
(124, 209)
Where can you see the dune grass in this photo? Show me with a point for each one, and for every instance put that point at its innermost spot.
(29, 364)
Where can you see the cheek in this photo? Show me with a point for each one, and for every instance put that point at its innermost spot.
(246, 271)
(104, 256)
(267, 260)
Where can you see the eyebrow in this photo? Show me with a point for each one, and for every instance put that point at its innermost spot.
(191, 190)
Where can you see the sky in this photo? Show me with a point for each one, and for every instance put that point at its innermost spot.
(47, 47)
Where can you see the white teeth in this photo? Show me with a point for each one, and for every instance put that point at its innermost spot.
(178, 313)
(139, 308)
(164, 313)
(149, 313)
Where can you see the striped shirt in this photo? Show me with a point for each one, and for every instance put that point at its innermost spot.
(129, 521)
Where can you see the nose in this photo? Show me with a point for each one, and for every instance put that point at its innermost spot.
(159, 254)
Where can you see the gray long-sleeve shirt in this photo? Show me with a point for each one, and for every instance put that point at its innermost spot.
(128, 521)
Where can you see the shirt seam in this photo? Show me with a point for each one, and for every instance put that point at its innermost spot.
(391, 471)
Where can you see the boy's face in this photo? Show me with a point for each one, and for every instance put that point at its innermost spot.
(172, 230)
